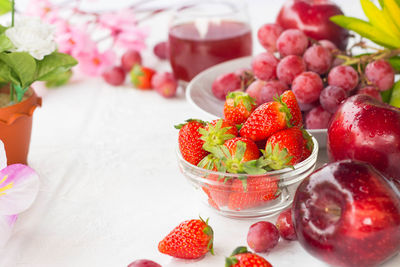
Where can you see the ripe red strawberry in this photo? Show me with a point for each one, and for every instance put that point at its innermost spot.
(239, 155)
(190, 144)
(290, 100)
(285, 148)
(252, 192)
(217, 187)
(266, 120)
(241, 257)
(238, 107)
(189, 240)
(217, 132)
(141, 77)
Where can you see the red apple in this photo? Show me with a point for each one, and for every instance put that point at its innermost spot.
(366, 129)
(348, 214)
(312, 17)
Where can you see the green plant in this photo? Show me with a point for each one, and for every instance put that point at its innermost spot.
(382, 28)
(22, 64)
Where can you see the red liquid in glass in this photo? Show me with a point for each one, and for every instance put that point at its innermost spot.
(191, 53)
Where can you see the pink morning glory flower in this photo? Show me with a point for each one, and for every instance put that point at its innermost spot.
(19, 185)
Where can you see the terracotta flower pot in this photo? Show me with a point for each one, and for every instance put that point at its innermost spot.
(16, 126)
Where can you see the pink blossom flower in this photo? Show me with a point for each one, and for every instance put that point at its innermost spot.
(73, 40)
(93, 63)
(132, 39)
(39, 8)
(19, 185)
(124, 29)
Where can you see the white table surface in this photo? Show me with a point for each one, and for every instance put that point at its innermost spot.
(110, 185)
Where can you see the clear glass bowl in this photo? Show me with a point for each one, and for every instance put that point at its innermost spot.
(248, 196)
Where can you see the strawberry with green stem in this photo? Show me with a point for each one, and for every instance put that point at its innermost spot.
(238, 107)
(141, 77)
(191, 239)
(217, 187)
(190, 144)
(290, 100)
(266, 120)
(216, 133)
(241, 257)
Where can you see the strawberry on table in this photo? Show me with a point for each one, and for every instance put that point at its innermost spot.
(238, 107)
(290, 100)
(216, 133)
(266, 120)
(191, 239)
(190, 144)
(141, 77)
(285, 148)
(241, 257)
(252, 192)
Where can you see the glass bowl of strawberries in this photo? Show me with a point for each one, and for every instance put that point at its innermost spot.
(249, 163)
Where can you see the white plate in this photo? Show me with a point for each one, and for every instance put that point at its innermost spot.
(199, 94)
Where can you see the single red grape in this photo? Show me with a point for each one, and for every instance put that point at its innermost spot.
(328, 44)
(165, 84)
(292, 42)
(144, 263)
(268, 34)
(380, 73)
(262, 236)
(264, 66)
(114, 75)
(317, 118)
(308, 106)
(224, 84)
(318, 59)
(343, 76)
(371, 91)
(129, 59)
(285, 226)
(161, 50)
(289, 67)
(331, 97)
(263, 91)
(307, 87)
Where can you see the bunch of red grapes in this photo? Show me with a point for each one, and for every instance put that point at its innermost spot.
(311, 69)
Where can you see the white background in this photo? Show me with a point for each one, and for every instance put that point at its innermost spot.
(110, 184)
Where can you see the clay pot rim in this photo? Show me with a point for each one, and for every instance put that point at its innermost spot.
(36, 102)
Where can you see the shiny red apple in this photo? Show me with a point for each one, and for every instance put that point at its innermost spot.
(348, 214)
(366, 129)
(312, 17)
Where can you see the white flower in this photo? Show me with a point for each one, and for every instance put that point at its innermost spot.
(33, 36)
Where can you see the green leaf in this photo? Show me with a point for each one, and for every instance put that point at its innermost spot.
(386, 95)
(5, 6)
(60, 79)
(3, 29)
(391, 11)
(5, 43)
(53, 65)
(23, 65)
(395, 98)
(366, 30)
(7, 75)
(395, 62)
(379, 19)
